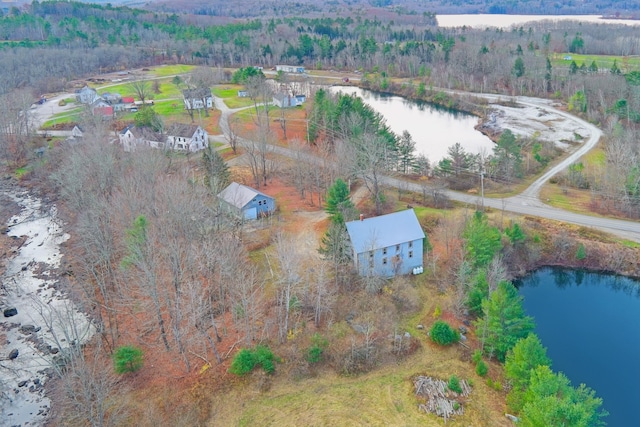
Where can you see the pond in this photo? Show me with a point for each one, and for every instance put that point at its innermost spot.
(590, 324)
(433, 128)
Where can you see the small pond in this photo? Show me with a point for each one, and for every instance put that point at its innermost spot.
(590, 324)
(433, 128)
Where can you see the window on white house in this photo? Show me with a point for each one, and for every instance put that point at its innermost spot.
(384, 261)
(410, 254)
(384, 251)
(397, 248)
(410, 244)
(370, 254)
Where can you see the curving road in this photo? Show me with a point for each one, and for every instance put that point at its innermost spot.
(526, 203)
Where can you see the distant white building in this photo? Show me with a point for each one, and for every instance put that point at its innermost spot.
(285, 100)
(290, 69)
(197, 99)
(178, 137)
(86, 95)
(190, 138)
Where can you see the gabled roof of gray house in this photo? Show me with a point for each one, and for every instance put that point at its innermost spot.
(197, 93)
(384, 231)
(239, 195)
(182, 130)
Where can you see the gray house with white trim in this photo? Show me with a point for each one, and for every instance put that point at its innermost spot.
(246, 202)
(387, 245)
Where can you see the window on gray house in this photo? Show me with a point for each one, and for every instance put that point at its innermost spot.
(410, 244)
(384, 261)
(384, 251)
(397, 248)
(410, 254)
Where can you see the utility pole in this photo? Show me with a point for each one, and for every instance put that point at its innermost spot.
(482, 187)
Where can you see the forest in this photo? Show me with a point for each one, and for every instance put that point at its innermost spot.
(187, 300)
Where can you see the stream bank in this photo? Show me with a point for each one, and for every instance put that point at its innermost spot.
(38, 321)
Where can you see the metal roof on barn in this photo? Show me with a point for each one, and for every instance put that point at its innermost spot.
(384, 231)
(239, 195)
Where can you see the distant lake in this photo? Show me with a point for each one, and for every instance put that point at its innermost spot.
(590, 324)
(506, 21)
(433, 128)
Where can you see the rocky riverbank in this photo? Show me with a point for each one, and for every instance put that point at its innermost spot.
(38, 323)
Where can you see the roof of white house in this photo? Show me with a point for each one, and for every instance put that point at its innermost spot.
(201, 92)
(384, 231)
(182, 130)
(239, 195)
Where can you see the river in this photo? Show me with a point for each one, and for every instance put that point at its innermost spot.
(433, 128)
(590, 324)
(41, 329)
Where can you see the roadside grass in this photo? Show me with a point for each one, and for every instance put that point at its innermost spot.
(170, 70)
(570, 199)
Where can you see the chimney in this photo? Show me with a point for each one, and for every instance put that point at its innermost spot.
(361, 217)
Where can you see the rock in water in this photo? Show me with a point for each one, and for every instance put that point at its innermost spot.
(8, 312)
(13, 354)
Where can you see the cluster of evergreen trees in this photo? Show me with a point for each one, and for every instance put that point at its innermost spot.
(539, 395)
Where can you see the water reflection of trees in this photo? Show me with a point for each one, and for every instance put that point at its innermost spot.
(564, 278)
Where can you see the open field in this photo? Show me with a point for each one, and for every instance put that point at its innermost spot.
(171, 70)
(604, 62)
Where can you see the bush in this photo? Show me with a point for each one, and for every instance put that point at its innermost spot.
(481, 368)
(243, 362)
(477, 356)
(454, 384)
(127, 359)
(247, 359)
(443, 334)
(319, 344)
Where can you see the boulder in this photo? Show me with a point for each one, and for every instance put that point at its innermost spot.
(27, 329)
(13, 354)
(8, 312)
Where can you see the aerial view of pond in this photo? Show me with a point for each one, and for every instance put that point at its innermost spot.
(433, 128)
(590, 324)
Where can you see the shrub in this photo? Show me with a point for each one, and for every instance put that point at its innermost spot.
(443, 334)
(581, 253)
(247, 359)
(481, 368)
(319, 344)
(477, 356)
(243, 362)
(454, 384)
(127, 359)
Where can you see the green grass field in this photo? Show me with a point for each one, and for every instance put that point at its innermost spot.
(624, 63)
(171, 70)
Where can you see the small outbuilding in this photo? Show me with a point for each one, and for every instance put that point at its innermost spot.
(246, 202)
(387, 245)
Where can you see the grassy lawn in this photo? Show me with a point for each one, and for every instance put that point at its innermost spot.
(170, 108)
(167, 90)
(229, 93)
(70, 116)
(171, 70)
